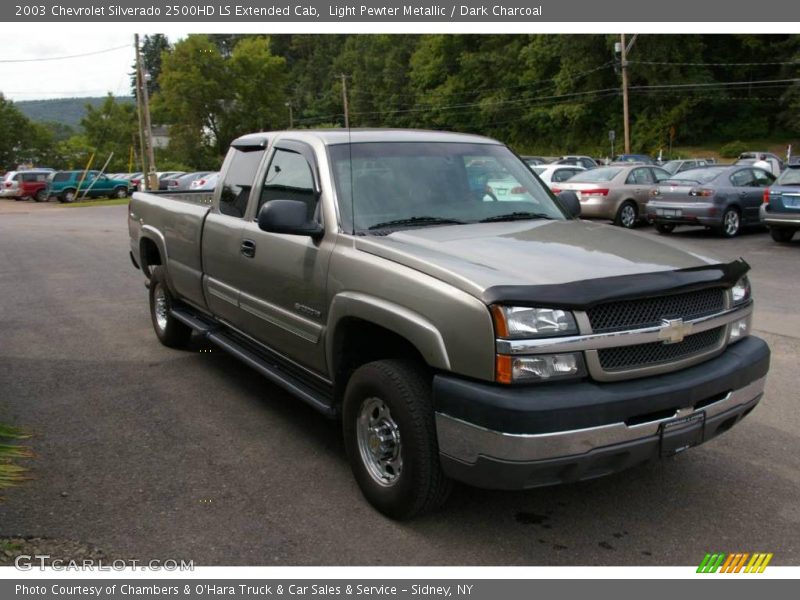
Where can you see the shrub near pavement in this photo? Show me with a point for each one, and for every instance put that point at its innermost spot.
(12, 474)
(733, 149)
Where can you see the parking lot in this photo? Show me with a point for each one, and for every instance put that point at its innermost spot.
(147, 452)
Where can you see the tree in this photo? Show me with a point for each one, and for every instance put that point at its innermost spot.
(111, 127)
(21, 141)
(151, 51)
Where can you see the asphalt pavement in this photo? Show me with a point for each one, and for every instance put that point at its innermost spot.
(152, 453)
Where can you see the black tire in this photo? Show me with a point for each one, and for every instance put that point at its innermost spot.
(41, 196)
(627, 215)
(665, 227)
(121, 192)
(169, 330)
(68, 196)
(731, 223)
(416, 484)
(781, 234)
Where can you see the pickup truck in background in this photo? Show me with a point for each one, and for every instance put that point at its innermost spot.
(505, 344)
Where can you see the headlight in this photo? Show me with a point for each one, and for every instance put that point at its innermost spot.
(525, 322)
(539, 367)
(741, 291)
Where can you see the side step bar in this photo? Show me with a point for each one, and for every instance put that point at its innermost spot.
(217, 335)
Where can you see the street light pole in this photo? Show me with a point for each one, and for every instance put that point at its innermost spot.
(291, 119)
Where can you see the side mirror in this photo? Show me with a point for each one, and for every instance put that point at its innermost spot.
(571, 203)
(288, 216)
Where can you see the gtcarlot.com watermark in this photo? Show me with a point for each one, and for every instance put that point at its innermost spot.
(27, 562)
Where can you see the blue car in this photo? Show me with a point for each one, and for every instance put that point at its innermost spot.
(780, 211)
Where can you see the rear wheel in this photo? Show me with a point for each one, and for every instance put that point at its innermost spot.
(169, 330)
(68, 196)
(665, 227)
(41, 196)
(390, 438)
(731, 223)
(626, 215)
(780, 234)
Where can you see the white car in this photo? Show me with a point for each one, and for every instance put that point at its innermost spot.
(551, 174)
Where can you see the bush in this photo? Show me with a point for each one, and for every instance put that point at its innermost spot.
(733, 149)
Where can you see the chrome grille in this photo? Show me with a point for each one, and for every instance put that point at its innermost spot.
(623, 358)
(648, 312)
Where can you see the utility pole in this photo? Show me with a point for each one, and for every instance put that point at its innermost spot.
(139, 106)
(291, 119)
(625, 115)
(344, 101)
(152, 178)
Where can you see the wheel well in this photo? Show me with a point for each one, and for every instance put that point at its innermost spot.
(357, 342)
(149, 254)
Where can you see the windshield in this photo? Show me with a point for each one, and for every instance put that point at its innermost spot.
(400, 184)
(790, 176)
(601, 174)
(698, 175)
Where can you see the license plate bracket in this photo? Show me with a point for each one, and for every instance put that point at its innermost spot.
(681, 433)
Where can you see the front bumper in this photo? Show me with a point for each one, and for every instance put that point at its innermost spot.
(523, 437)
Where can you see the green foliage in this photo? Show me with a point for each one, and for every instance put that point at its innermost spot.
(110, 128)
(12, 474)
(67, 112)
(733, 149)
(151, 51)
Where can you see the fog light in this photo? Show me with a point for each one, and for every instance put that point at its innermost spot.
(541, 367)
(739, 329)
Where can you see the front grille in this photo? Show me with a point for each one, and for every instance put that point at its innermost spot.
(639, 356)
(648, 312)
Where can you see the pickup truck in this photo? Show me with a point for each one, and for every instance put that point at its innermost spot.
(505, 344)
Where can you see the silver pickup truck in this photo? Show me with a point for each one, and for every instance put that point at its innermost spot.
(458, 331)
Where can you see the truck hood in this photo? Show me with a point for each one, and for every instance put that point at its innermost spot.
(478, 257)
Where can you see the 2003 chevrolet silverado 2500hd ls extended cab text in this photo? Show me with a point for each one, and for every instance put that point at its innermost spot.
(458, 334)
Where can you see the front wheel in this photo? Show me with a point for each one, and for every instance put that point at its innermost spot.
(68, 196)
(169, 330)
(665, 227)
(626, 215)
(390, 438)
(41, 196)
(780, 234)
(121, 192)
(731, 223)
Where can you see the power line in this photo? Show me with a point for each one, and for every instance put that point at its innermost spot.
(50, 58)
(714, 64)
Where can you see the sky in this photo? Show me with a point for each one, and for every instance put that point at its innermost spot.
(94, 75)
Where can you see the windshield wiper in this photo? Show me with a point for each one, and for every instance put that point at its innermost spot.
(419, 221)
(516, 216)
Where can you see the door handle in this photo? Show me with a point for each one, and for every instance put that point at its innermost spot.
(248, 248)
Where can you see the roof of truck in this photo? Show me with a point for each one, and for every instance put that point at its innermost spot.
(343, 136)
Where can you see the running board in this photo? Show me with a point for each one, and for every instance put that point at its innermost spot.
(273, 373)
(260, 361)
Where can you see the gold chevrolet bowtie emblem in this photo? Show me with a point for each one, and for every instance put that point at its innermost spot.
(674, 330)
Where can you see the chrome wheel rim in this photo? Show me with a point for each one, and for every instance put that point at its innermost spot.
(122, 193)
(69, 196)
(379, 442)
(628, 216)
(161, 307)
(731, 222)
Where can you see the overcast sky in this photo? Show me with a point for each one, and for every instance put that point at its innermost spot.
(94, 75)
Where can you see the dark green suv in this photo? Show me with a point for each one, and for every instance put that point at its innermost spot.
(66, 186)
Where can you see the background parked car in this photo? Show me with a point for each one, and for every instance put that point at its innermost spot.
(166, 176)
(587, 162)
(25, 184)
(760, 155)
(555, 174)
(780, 210)
(66, 186)
(182, 183)
(207, 183)
(618, 193)
(634, 158)
(532, 161)
(678, 166)
(725, 198)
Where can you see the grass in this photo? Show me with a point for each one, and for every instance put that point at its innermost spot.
(110, 202)
(10, 473)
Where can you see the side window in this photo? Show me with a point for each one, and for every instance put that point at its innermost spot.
(659, 175)
(289, 177)
(763, 179)
(562, 174)
(61, 177)
(238, 182)
(743, 178)
(641, 176)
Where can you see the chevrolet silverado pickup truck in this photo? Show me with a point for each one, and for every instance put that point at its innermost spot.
(455, 335)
